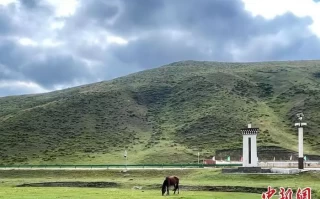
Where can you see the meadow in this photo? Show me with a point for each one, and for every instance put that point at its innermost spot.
(195, 183)
(85, 193)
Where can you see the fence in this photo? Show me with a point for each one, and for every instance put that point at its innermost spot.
(289, 164)
(110, 166)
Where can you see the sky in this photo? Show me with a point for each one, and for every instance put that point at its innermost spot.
(48, 45)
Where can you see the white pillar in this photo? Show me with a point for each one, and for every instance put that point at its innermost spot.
(300, 144)
(300, 132)
(245, 155)
(254, 155)
(249, 147)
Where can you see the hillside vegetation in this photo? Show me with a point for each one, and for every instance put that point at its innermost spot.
(167, 115)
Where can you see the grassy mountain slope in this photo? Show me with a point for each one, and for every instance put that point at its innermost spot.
(166, 114)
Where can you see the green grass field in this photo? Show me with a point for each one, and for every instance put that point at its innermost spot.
(149, 180)
(85, 193)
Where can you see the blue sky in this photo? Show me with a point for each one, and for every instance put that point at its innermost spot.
(47, 45)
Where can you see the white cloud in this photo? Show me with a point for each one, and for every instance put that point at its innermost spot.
(301, 8)
(21, 87)
(57, 25)
(116, 40)
(51, 43)
(64, 7)
(27, 42)
(101, 38)
(44, 43)
(6, 2)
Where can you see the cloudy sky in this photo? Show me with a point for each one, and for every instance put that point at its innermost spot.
(47, 45)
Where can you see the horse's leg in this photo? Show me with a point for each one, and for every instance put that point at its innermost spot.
(175, 189)
(178, 188)
(178, 185)
(168, 187)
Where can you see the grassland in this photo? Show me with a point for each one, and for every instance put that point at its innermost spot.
(149, 181)
(79, 193)
(166, 115)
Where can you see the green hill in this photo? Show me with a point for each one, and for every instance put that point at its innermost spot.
(166, 115)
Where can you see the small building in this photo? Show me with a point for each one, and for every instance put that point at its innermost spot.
(209, 161)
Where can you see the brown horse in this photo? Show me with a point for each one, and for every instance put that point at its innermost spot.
(170, 181)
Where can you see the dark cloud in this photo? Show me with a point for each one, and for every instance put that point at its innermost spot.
(158, 49)
(38, 6)
(137, 16)
(97, 12)
(30, 3)
(212, 19)
(6, 73)
(298, 49)
(12, 55)
(99, 9)
(158, 32)
(5, 21)
(56, 70)
(212, 28)
(29, 20)
(47, 68)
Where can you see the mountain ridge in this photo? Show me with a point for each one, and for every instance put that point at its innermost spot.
(166, 114)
